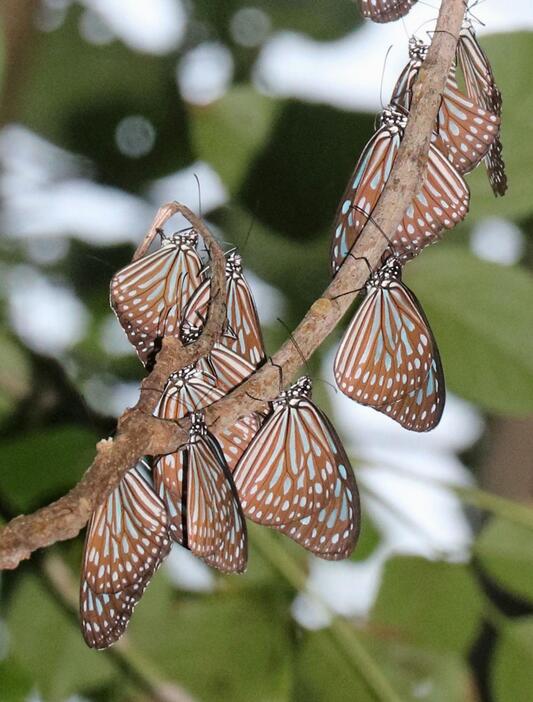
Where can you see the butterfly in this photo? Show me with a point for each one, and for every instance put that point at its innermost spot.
(388, 358)
(149, 295)
(242, 333)
(465, 130)
(441, 203)
(385, 10)
(127, 540)
(203, 508)
(295, 476)
(481, 86)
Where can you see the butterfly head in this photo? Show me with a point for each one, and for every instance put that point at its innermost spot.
(418, 50)
(390, 272)
(198, 428)
(189, 333)
(233, 265)
(183, 376)
(394, 118)
(301, 389)
(184, 239)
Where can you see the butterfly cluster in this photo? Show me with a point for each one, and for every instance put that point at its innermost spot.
(388, 358)
(284, 467)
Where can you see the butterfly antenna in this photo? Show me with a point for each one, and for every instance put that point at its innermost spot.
(199, 195)
(383, 76)
(250, 228)
(371, 219)
(296, 346)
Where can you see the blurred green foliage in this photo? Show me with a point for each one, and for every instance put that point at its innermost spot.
(284, 163)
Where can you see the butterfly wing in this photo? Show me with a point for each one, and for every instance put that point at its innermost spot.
(215, 522)
(363, 191)
(287, 472)
(385, 10)
(481, 87)
(465, 130)
(126, 542)
(388, 359)
(243, 321)
(149, 295)
(169, 472)
(181, 398)
(441, 204)
(196, 310)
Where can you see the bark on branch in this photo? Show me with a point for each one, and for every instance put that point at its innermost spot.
(139, 433)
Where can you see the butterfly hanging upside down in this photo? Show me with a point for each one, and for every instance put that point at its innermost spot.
(388, 358)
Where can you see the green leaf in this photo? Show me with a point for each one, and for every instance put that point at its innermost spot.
(42, 465)
(15, 374)
(505, 550)
(482, 323)
(220, 646)
(511, 56)
(512, 671)
(228, 133)
(428, 604)
(15, 682)
(320, 19)
(294, 184)
(415, 674)
(77, 94)
(48, 642)
(369, 539)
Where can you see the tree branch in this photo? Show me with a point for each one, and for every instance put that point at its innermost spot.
(141, 434)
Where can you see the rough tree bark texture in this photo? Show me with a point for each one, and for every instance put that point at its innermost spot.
(139, 433)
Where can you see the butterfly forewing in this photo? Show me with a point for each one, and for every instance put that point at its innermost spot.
(388, 358)
(385, 10)
(365, 187)
(149, 295)
(332, 532)
(242, 315)
(481, 86)
(295, 472)
(216, 526)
